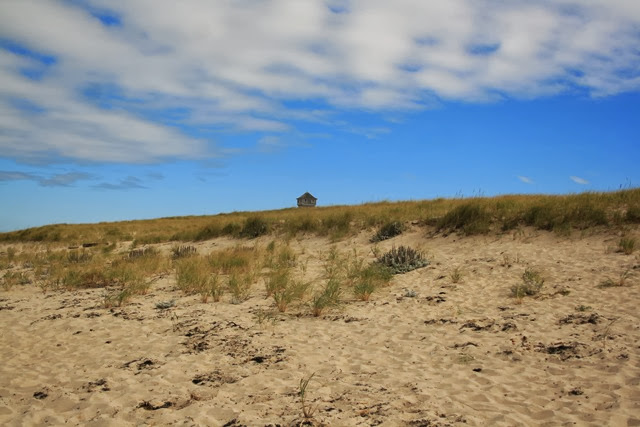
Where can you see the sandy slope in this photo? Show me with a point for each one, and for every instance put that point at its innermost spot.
(464, 353)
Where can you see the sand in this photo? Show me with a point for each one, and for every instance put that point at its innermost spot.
(463, 353)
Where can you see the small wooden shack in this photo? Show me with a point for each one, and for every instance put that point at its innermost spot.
(307, 201)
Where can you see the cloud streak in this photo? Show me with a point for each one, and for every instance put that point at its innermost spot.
(154, 80)
(56, 180)
(579, 180)
(525, 179)
(128, 183)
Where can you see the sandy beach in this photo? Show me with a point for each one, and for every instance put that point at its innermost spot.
(423, 351)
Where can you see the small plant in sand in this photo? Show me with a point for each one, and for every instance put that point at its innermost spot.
(178, 252)
(611, 283)
(307, 410)
(387, 231)
(328, 297)
(532, 282)
(117, 298)
(165, 305)
(215, 288)
(334, 263)
(239, 286)
(456, 275)
(263, 316)
(627, 245)
(402, 259)
(409, 293)
(363, 290)
(211, 288)
(11, 279)
(276, 279)
(370, 278)
(294, 290)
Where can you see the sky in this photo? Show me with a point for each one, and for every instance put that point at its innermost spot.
(130, 109)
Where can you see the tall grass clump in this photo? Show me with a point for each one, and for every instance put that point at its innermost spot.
(193, 274)
(235, 260)
(561, 213)
(633, 214)
(328, 296)
(293, 290)
(302, 224)
(627, 245)
(254, 227)
(402, 259)
(387, 231)
(283, 287)
(469, 218)
(336, 226)
(208, 232)
(239, 286)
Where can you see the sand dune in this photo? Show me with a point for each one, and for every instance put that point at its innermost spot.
(463, 353)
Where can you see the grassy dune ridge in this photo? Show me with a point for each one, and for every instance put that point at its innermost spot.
(155, 325)
(466, 215)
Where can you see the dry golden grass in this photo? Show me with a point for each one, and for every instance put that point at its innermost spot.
(467, 216)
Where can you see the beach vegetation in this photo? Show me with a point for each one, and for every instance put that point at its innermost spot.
(402, 259)
(467, 216)
(627, 245)
(387, 231)
(532, 283)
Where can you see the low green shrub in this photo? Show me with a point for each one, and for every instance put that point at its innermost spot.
(402, 259)
(254, 227)
(387, 231)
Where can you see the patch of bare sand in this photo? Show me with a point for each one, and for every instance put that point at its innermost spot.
(452, 354)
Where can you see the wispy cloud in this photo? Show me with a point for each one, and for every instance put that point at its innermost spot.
(147, 82)
(65, 179)
(17, 176)
(56, 180)
(579, 180)
(156, 175)
(128, 183)
(270, 143)
(525, 179)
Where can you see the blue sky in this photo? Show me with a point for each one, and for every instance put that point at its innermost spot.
(113, 110)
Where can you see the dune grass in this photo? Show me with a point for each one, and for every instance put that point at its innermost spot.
(468, 216)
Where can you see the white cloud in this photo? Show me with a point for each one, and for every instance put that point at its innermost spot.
(579, 180)
(57, 180)
(233, 65)
(525, 179)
